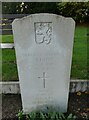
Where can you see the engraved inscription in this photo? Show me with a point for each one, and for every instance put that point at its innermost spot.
(43, 32)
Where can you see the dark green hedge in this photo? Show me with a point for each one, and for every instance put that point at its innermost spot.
(76, 10)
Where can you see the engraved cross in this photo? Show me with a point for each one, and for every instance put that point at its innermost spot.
(44, 78)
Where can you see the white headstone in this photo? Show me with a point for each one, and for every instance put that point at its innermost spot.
(43, 44)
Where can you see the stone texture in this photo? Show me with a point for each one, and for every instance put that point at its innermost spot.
(13, 87)
(43, 44)
(6, 45)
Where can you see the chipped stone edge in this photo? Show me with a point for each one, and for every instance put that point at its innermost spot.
(14, 88)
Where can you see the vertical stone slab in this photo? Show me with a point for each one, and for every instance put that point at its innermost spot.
(43, 44)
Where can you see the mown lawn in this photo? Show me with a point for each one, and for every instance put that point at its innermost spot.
(79, 61)
(9, 66)
(6, 39)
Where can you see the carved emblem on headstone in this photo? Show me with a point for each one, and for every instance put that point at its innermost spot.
(43, 32)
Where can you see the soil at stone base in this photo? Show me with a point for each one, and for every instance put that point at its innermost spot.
(78, 105)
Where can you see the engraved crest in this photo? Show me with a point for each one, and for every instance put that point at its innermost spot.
(43, 32)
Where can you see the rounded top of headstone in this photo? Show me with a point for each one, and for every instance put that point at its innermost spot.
(43, 15)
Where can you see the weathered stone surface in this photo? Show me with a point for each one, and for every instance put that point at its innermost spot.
(43, 44)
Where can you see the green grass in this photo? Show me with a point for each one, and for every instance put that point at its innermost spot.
(9, 67)
(6, 39)
(79, 61)
(50, 115)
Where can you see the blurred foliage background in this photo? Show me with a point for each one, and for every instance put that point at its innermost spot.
(77, 10)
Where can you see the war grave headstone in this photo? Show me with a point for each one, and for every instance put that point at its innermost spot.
(43, 44)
